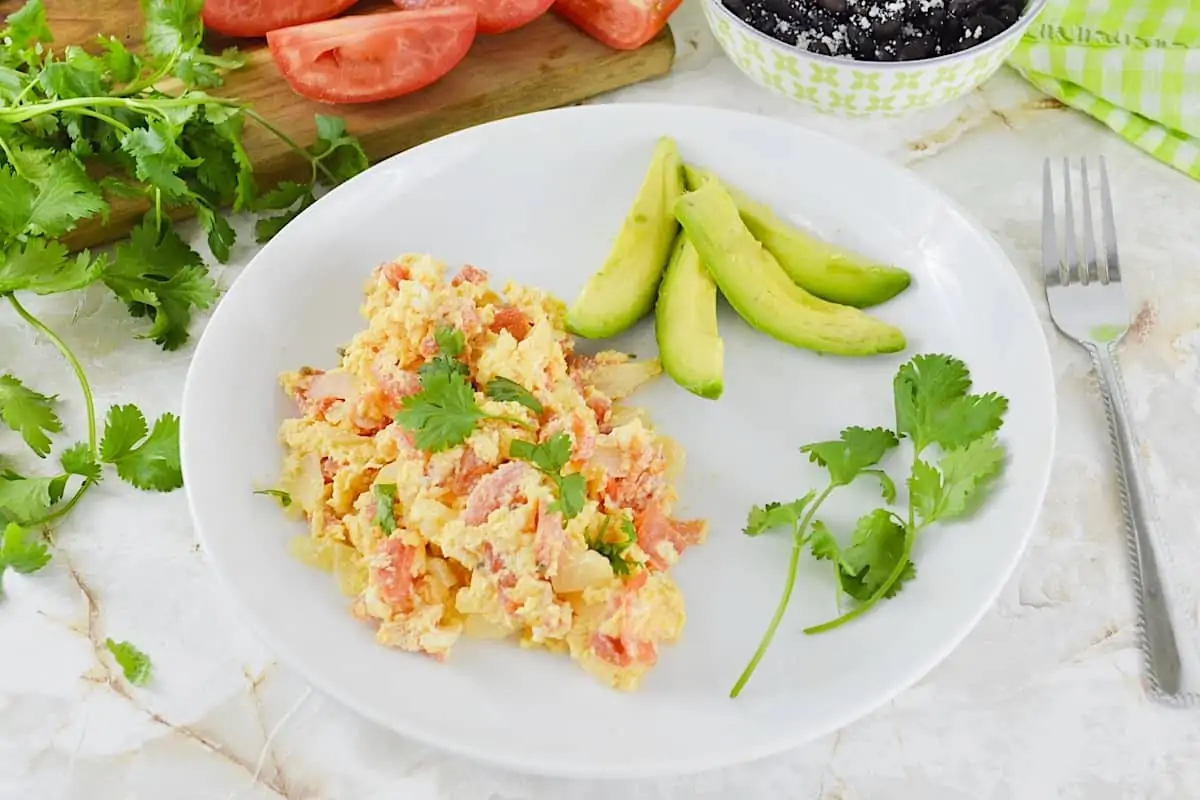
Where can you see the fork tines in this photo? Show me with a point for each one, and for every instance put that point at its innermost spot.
(1064, 266)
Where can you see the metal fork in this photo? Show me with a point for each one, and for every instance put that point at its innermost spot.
(1088, 305)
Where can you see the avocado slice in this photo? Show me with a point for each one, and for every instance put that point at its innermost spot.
(623, 290)
(762, 293)
(830, 272)
(685, 324)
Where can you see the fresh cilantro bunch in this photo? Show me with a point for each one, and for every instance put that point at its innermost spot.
(935, 410)
(145, 123)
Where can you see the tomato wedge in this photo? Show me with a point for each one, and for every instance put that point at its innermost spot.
(256, 17)
(495, 16)
(620, 24)
(373, 57)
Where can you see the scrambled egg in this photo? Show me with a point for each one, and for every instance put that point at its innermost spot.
(468, 540)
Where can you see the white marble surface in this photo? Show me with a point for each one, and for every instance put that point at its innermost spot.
(1041, 701)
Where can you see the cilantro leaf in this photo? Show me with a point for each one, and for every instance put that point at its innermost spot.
(283, 497)
(955, 487)
(42, 266)
(49, 201)
(220, 233)
(450, 341)
(572, 494)
(79, 460)
(887, 487)
(934, 405)
(385, 506)
(856, 450)
(172, 26)
(336, 150)
(614, 549)
(823, 544)
(118, 60)
(133, 662)
(29, 413)
(158, 158)
(159, 276)
(27, 25)
(26, 499)
(506, 390)
(21, 550)
(876, 547)
(149, 462)
(443, 414)
(776, 515)
(549, 456)
(284, 195)
(266, 227)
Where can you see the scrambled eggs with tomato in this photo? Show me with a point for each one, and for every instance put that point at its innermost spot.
(431, 512)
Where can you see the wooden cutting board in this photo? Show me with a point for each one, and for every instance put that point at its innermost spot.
(546, 64)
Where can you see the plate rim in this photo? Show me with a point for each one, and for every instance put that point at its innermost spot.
(673, 766)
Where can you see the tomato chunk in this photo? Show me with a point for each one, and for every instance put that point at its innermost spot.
(256, 17)
(495, 16)
(373, 57)
(620, 24)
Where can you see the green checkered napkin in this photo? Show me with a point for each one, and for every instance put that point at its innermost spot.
(1132, 64)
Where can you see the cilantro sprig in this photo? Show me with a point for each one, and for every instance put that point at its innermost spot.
(549, 457)
(935, 409)
(68, 114)
(444, 412)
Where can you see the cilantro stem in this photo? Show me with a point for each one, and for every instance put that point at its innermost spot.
(290, 142)
(116, 123)
(26, 113)
(9, 155)
(798, 540)
(88, 401)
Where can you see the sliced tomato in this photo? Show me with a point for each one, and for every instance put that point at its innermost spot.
(620, 24)
(373, 57)
(495, 16)
(256, 17)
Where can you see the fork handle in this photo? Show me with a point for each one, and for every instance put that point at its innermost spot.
(1159, 650)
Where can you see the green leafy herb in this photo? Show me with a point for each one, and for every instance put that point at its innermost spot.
(934, 407)
(385, 506)
(450, 345)
(67, 113)
(334, 157)
(133, 662)
(549, 457)
(614, 549)
(21, 551)
(148, 460)
(283, 497)
(444, 413)
(28, 413)
(506, 390)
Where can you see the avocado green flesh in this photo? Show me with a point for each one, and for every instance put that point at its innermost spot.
(624, 288)
(685, 323)
(830, 272)
(761, 291)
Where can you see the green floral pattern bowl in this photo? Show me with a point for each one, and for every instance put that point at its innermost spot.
(861, 88)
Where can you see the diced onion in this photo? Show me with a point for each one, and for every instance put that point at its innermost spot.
(579, 570)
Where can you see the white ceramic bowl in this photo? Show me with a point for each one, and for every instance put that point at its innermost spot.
(861, 88)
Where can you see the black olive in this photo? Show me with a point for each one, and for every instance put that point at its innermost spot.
(737, 7)
(885, 53)
(819, 47)
(962, 7)
(1007, 14)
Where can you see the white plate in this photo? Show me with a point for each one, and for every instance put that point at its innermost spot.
(537, 199)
